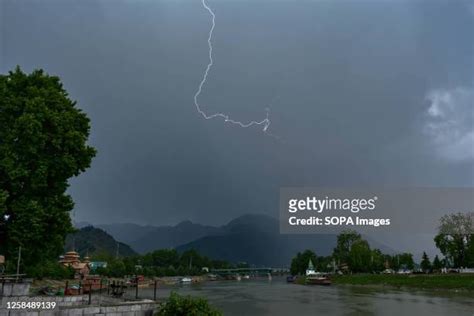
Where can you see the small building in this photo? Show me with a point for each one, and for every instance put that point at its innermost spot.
(91, 283)
(94, 265)
(344, 268)
(72, 259)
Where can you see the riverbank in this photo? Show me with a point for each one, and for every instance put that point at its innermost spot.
(420, 281)
(463, 282)
(57, 285)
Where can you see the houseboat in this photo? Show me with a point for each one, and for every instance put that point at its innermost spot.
(316, 278)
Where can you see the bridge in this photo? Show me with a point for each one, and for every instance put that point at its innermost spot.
(243, 271)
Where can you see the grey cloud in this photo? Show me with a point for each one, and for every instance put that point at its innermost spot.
(450, 122)
(345, 81)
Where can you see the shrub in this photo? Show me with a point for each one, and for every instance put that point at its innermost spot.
(177, 305)
(50, 269)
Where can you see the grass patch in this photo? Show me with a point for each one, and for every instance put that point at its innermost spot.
(425, 281)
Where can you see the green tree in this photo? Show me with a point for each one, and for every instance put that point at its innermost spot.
(360, 256)
(377, 260)
(300, 262)
(165, 258)
(470, 253)
(405, 261)
(220, 264)
(345, 240)
(50, 269)
(437, 264)
(43, 143)
(425, 263)
(177, 305)
(116, 268)
(324, 264)
(191, 258)
(454, 237)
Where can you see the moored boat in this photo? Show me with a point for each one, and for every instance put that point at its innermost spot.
(212, 277)
(291, 279)
(318, 280)
(185, 280)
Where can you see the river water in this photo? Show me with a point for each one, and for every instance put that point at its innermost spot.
(276, 297)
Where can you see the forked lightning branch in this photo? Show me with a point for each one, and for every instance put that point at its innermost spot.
(265, 123)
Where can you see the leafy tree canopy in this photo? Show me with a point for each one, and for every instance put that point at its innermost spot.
(437, 264)
(360, 256)
(43, 143)
(454, 239)
(345, 240)
(425, 262)
(405, 261)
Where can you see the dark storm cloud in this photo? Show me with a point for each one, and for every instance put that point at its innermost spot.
(347, 82)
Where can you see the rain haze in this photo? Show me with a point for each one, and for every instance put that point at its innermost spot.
(360, 93)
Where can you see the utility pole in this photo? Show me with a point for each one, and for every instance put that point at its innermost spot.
(18, 263)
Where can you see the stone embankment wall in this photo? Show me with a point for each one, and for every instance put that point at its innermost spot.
(78, 306)
(14, 289)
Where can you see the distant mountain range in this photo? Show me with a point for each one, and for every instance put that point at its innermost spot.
(127, 233)
(256, 239)
(251, 238)
(89, 240)
(148, 238)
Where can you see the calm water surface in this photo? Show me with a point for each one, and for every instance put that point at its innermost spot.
(276, 297)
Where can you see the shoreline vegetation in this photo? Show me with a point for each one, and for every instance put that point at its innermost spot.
(445, 282)
(463, 282)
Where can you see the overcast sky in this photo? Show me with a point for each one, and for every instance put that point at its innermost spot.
(361, 93)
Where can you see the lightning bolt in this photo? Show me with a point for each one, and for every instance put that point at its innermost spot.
(265, 122)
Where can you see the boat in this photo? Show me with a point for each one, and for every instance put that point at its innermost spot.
(291, 279)
(185, 280)
(318, 280)
(212, 277)
(246, 277)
